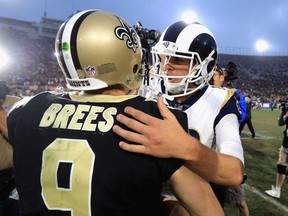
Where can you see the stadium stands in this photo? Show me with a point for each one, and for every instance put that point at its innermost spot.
(33, 68)
(264, 78)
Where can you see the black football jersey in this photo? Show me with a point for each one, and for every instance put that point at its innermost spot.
(68, 161)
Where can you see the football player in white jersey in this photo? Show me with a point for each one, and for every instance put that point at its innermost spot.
(183, 62)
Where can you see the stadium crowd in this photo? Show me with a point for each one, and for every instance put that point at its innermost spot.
(33, 68)
(264, 78)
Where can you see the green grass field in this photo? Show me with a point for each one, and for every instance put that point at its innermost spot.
(261, 155)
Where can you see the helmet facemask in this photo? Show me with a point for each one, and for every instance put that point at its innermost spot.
(197, 74)
(191, 41)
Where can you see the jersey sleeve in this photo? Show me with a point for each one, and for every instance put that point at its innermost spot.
(13, 117)
(227, 137)
(230, 107)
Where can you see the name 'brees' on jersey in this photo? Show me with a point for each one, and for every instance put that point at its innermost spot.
(69, 116)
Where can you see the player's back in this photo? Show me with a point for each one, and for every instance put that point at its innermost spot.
(67, 159)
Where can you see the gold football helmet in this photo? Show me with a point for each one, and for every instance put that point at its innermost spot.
(97, 49)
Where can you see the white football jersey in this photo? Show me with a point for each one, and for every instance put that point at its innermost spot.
(212, 113)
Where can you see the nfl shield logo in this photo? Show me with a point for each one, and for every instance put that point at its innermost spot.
(90, 71)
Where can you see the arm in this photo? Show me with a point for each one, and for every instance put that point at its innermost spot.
(166, 138)
(194, 193)
(217, 167)
(229, 145)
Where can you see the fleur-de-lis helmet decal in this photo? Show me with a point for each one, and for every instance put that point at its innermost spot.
(129, 32)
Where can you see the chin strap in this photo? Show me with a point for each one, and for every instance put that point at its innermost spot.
(150, 92)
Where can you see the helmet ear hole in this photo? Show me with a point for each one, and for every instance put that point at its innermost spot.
(210, 66)
(135, 68)
(196, 61)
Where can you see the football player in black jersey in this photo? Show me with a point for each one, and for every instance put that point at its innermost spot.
(66, 156)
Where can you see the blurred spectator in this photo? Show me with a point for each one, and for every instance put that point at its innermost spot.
(234, 195)
(283, 157)
(248, 118)
(8, 207)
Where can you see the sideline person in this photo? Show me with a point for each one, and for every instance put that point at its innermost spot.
(231, 195)
(230, 75)
(184, 59)
(67, 157)
(275, 191)
(8, 205)
(248, 118)
(218, 76)
(6, 149)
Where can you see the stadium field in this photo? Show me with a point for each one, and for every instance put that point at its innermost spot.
(261, 155)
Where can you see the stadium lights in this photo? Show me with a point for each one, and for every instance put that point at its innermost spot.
(261, 46)
(4, 58)
(190, 16)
